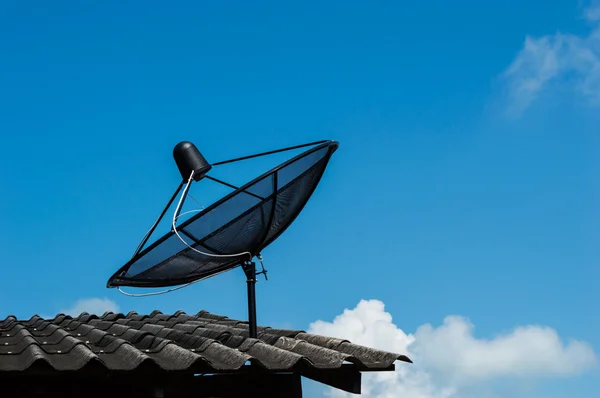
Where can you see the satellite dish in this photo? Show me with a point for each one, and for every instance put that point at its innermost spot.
(231, 232)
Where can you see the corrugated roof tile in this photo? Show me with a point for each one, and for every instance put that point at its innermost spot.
(203, 342)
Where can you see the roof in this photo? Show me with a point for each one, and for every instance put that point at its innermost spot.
(201, 343)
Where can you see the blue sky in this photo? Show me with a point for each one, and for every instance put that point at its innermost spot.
(465, 183)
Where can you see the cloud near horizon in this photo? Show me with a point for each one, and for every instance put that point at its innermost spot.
(555, 59)
(97, 306)
(449, 359)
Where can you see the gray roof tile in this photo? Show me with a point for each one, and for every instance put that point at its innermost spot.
(199, 343)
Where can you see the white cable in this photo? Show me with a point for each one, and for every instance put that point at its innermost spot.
(155, 293)
(175, 217)
(168, 290)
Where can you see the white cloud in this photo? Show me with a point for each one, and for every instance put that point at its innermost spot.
(449, 359)
(96, 306)
(555, 59)
(526, 351)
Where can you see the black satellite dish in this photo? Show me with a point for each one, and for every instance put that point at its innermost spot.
(232, 231)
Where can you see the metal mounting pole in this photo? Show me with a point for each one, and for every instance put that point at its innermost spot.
(250, 271)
